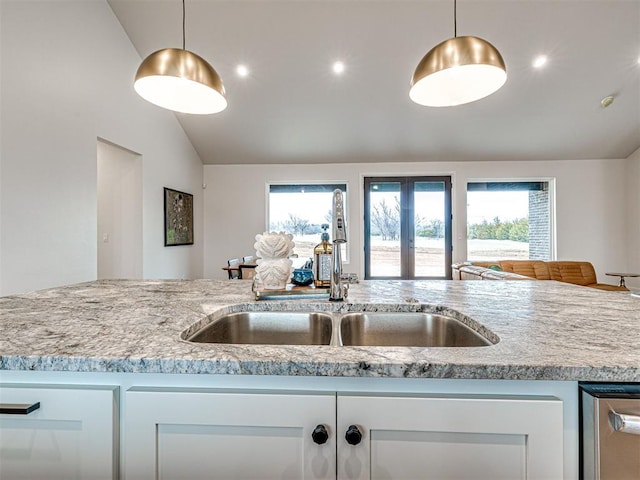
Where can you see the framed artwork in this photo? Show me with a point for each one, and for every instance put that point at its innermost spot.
(178, 218)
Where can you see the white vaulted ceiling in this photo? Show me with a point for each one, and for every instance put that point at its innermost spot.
(292, 108)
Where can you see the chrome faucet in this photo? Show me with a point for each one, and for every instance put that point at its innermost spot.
(338, 291)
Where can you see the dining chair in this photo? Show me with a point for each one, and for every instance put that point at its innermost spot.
(234, 272)
(247, 272)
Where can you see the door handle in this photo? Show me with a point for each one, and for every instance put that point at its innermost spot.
(625, 423)
(19, 408)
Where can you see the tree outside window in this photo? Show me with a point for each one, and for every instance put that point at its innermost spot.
(508, 220)
(302, 209)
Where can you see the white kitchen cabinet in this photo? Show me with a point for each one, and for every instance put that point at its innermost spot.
(72, 435)
(174, 434)
(442, 437)
(181, 434)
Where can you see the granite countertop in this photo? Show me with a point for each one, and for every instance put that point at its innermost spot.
(546, 330)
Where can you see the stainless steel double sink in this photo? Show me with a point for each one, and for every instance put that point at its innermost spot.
(384, 329)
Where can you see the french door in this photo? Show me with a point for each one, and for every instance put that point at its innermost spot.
(407, 227)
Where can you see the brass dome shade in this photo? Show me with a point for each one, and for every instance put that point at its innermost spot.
(458, 71)
(180, 80)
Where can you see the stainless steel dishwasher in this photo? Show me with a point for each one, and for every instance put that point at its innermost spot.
(610, 431)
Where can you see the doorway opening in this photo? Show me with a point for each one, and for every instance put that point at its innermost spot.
(119, 212)
(407, 228)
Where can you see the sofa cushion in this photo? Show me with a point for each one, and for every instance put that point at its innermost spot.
(476, 272)
(500, 275)
(471, 272)
(579, 273)
(529, 268)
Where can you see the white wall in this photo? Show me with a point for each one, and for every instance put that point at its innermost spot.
(633, 218)
(66, 79)
(1, 109)
(590, 220)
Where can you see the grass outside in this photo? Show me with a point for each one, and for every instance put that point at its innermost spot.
(385, 254)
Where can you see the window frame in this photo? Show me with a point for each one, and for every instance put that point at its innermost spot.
(551, 183)
(312, 183)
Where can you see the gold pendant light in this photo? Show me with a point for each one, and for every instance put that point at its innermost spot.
(180, 80)
(458, 71)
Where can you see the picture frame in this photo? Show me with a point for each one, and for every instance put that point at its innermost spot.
(178, 218)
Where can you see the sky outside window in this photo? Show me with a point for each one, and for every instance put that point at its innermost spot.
(504, 205)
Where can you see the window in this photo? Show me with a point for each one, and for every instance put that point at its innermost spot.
(407, 227)
(302, 210)
(508, 220)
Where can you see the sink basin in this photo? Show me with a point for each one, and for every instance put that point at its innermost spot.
(407, 330)
(383, 329)
(268, 328)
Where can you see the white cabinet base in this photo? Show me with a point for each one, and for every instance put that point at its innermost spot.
(180, 433)
(208, 434)
(451, 438)
(73, 435)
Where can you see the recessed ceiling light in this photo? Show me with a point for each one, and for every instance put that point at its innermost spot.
(338, 68)
(540, 61)
(242, 71)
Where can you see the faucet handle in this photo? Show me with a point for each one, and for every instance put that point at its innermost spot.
(339, 224)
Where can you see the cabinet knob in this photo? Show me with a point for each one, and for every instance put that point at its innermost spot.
(353, 435)
(320, 435)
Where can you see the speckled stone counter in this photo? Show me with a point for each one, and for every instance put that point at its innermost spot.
(546, 330)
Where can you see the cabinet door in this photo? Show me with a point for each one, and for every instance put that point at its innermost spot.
(207, 434)
(451, 438)
(71, 436)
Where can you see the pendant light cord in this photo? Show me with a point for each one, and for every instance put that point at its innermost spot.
(455, 19)
(183, 26)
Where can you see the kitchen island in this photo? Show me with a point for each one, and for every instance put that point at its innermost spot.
(124, 338)
(546, 331)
